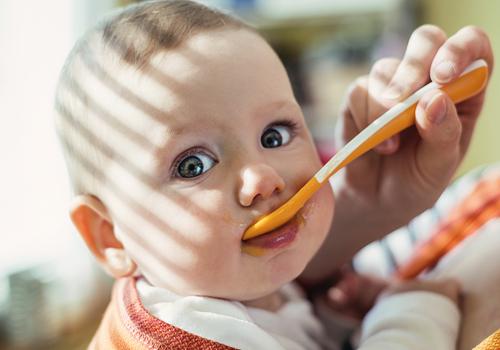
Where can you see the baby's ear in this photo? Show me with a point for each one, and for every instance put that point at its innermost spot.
(91, 219)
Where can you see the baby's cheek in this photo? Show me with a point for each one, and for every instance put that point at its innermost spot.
(223, 216)
(215, 267)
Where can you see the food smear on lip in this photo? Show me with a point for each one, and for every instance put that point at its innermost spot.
(254, 251)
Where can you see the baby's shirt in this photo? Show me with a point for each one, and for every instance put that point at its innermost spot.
(292, 327)
(412, 320)
(141, 317)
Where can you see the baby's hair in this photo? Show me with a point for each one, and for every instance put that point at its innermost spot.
(129, 38)
(142, 30)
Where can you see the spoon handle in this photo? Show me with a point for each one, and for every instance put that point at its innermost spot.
(402, 116)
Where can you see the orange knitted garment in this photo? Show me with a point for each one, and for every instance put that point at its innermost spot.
(127, 325)
(477, 208)
(490, 343)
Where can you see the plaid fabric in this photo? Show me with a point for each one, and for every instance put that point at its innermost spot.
(490, 343)
(385, 257)
(126, 325)
(481, 205)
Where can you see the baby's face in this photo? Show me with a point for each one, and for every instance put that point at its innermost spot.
(227, 143)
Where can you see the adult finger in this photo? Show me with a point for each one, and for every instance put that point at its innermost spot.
(438, 153)
(353, 108)
(380, 75)
(413, 72)
(460, 50)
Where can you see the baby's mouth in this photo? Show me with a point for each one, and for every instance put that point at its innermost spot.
(301, 216)
(275, 239)
(281, 236)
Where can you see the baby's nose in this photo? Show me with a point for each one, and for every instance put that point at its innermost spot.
(259, 180)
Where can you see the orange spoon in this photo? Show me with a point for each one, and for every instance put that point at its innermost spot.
(396, 119)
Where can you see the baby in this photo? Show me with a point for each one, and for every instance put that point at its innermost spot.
(180, 129)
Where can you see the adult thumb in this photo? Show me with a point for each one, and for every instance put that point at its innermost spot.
(437, 121)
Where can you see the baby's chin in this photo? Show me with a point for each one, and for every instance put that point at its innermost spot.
(283, 270)
(244, 289)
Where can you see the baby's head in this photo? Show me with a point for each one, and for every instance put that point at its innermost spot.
(180, 129)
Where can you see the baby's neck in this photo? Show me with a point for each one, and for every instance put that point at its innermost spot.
(272, 302)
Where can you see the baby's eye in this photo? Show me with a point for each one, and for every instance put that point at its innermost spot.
(276, 136)
(194, 165)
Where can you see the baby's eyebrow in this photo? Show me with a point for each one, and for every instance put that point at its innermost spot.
(178, 130)
(279, 106)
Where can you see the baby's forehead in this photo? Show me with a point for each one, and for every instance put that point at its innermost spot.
(206, 80)
(178, 92)
(141, 103)
(155, 99)
(168, 75)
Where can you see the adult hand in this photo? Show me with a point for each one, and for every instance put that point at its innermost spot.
(387, 187)
(408, 172)
(354, 294)
(412, 169)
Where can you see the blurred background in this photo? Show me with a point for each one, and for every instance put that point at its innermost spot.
(52, 294)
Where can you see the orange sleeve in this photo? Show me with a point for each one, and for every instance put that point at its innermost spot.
(490, 343)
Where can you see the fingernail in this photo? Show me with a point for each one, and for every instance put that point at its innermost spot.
(393, 92)
(436, 109)
(386, 145)
(445, 71)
